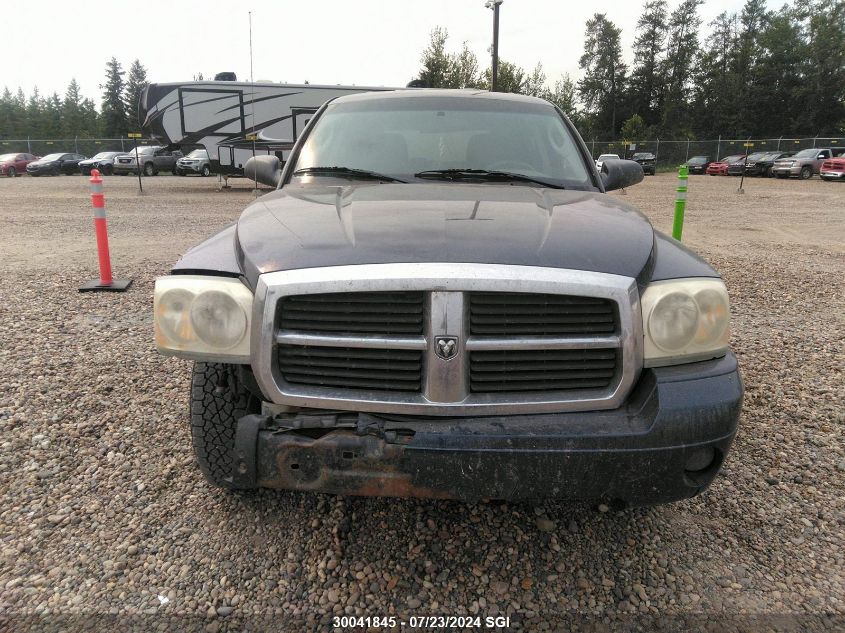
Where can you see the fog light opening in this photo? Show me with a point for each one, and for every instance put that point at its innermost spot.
(700, 459)
(702, 465)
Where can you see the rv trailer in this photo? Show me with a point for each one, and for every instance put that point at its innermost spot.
(234, 120)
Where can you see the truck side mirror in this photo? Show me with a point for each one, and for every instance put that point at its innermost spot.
(618, 174)
(264, 169)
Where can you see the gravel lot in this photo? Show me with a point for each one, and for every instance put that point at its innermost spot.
(104, 512)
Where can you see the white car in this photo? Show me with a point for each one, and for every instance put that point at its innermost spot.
(605, 157)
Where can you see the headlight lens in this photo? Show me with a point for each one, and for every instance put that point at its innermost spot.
(218, 319)
(685, 320)
(203, 317)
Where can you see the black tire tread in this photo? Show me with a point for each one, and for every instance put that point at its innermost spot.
(217, 402)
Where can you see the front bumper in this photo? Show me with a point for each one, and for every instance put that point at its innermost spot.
(667, 442)
(193, 168)
(789, 170)
(832, 175)
(124, 168)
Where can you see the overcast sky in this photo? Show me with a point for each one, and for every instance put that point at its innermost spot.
(362, 42)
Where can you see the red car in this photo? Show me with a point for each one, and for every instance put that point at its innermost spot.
(720, 167)
(12, 165)
(833, 169)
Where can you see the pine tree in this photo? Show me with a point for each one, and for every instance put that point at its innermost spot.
(823, 93)
(681, 51)
(563, 96)
(135, 85)
(603, 83)
(462, 69)
(74, 125)
(113, 106)
(435, 61)
(647, 80)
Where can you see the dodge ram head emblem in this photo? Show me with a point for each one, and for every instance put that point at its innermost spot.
(446, 346)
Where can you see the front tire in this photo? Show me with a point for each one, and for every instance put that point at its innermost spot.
(806, 172)
(11, 173)
(149, 169)
(218, 400)
(206, 170)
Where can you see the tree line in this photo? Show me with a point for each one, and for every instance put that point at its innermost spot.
(757, 73)
(73, 115)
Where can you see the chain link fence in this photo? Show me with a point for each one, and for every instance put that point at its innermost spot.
(85, 146)
(671, 153)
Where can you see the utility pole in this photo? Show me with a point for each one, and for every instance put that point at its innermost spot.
(494, 4)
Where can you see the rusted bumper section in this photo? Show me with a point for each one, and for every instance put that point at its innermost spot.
(667, 443)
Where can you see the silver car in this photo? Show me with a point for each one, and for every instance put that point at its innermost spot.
(803, 164)
(153, 159)
(197, 162)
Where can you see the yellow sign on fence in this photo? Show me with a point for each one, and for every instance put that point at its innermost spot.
(134, 135)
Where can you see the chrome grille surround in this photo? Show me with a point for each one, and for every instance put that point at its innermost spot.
(446, 390)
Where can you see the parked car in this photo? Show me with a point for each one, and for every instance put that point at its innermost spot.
(698, 164)
(398, 319)
(600, 160)
(104, 161)
(12, 165)
(763, 166)
(720, 167)
(153, 159)
(647, 162)
(833, 169)
(55, 164)
(805, 163)
(197, 162)
(737, 168)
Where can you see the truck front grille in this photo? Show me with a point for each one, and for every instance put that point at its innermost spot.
(354, 312)
(447, 339)
(352, 368)
(511, 313)
(541, 370)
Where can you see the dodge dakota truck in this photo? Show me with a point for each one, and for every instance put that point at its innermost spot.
(440, 299)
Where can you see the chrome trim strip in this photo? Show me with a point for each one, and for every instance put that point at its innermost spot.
(436, 278)
(372, 342)
(446, 380)
(477, 343)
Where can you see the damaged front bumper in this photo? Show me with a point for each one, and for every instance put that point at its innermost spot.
(666, 443)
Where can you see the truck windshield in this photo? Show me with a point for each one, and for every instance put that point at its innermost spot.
(808, 153)
(402, 137)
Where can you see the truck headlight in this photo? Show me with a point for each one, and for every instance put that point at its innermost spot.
(203, 317)
(685, 320)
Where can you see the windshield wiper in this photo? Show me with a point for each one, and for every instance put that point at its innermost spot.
(348, 172)
(482, 174)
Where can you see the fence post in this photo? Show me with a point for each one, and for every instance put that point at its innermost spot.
(687, 158)
(76, 144)
(28, 146)
(594, 147)
(718, 148)
(680, 202)
(779, 140)
(656, 152)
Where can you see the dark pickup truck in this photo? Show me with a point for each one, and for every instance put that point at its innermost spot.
(440, 300)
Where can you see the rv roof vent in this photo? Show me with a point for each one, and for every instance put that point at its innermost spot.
(225, 77)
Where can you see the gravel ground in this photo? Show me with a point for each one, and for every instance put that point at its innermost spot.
(104, 512)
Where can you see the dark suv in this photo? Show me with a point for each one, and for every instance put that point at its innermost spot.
(440, 299)
(698, 164)
(647, 161)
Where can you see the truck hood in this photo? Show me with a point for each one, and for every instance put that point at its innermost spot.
(310, 226)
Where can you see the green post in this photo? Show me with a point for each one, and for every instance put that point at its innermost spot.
(680, 202)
